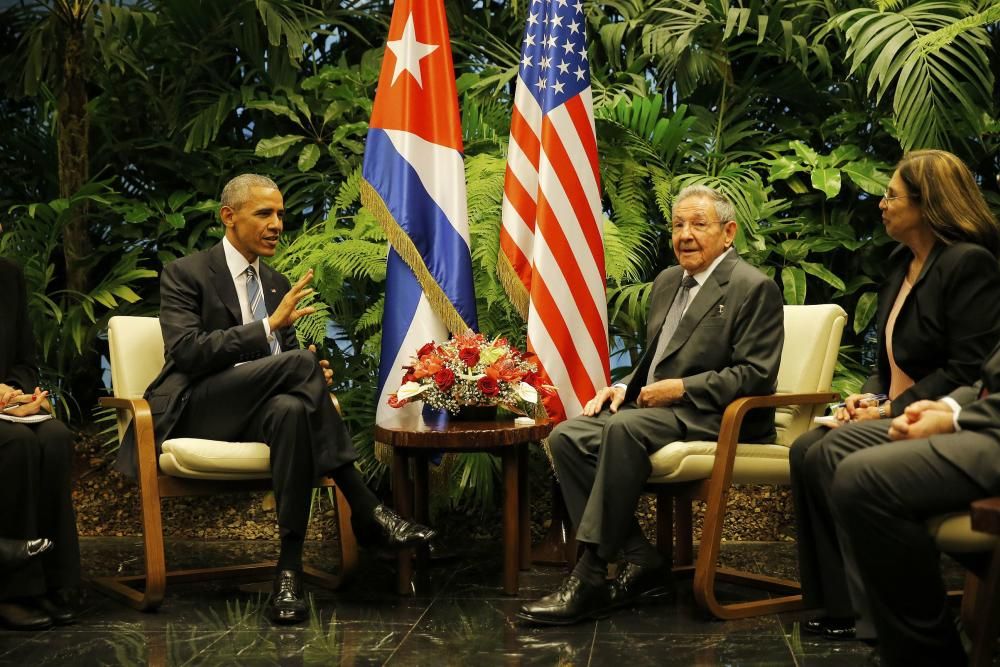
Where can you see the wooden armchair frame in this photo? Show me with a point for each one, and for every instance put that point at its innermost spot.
(714, 491)
(154, 485)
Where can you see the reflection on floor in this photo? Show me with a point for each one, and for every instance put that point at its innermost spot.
(458, 616)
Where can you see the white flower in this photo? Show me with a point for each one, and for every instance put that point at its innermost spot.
(471, 378)
(527, 393)
(411, 389)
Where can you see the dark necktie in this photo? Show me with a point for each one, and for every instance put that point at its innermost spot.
(670, 323)
(255, 297)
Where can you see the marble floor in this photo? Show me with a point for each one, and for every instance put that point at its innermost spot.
(458, 616)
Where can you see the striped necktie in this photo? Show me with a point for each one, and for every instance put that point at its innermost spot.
(255, 297)
(670, 323)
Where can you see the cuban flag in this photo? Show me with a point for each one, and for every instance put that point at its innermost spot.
(551, 242)
(414, 184)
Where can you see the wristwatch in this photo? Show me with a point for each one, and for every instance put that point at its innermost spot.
(881, 411)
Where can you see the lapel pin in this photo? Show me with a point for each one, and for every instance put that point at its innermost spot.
(722, 308)
(273, 290)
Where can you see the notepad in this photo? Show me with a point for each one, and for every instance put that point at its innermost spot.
(30, 419)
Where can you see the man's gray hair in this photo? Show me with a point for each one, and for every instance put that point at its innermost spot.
(237, 191)
(724, 209)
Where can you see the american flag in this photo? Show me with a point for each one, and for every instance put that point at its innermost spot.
(551, 240)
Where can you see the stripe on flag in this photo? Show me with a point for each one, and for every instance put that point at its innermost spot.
(551, 240)
(414, 184)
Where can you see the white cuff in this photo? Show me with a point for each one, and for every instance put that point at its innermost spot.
(956, 410)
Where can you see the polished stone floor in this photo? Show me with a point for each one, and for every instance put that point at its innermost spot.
(459, 616)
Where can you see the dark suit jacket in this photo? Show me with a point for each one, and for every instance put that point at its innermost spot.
(727, 345)
(948, 324)
(17, 344)
(979, 416)
(203, 334)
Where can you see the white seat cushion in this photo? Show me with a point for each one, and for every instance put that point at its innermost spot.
(953, 534)
(215, 459)
(690, 461)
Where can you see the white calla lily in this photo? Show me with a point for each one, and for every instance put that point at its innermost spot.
(471, 378)
(526, 392)
(410, 389)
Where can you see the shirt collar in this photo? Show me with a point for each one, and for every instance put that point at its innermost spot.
(236, 262)
(702, 276)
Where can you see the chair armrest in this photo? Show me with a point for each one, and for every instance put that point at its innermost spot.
(732, 420)
(986, 515)
(142, 426)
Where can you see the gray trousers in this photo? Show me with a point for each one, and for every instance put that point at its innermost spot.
(829, 578)
(882, 497)
(602, 464)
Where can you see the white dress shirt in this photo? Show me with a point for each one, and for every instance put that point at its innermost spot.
(238, 264)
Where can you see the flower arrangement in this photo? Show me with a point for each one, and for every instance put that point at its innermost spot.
(471, 370)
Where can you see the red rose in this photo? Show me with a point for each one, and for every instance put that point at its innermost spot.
(409, 377)
(488, 386)
(531, 377)
(469, 355)
(426, 349)
(444, 379)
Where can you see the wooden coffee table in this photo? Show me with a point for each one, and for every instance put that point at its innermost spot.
(505, 438)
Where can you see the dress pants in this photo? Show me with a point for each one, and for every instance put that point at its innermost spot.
(281, 400)
(829, 579)
(602, 464)
(882, 496)
(36, 462)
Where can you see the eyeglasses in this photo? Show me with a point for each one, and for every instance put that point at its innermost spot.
(887, 198)
(697, 226)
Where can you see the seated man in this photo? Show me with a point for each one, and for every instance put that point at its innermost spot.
(715, 333)
(234, 371)
(947, 455)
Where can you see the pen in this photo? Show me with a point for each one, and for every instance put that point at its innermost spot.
(878, 398)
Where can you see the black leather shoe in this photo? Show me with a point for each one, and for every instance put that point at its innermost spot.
(61, 605)
(15, 553)
(572, 602)
(387, 529)
(635, 584)
(831, 628)
(287, 605)
(15, 616)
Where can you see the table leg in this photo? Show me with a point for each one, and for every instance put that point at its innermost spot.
(421, 493)
(403, 499)
(524, 507)
(511, 530)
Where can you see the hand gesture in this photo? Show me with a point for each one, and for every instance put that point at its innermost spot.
(325, 365)
(287, 311)
(8, 394)
(861, 407)
(923, 419)
(30, 404)
(614, 394)
(660, 393)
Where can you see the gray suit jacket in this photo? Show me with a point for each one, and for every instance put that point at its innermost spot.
(203, 333)
(979, 417)
(727, 345)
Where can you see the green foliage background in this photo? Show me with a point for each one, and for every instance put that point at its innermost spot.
(796, 108)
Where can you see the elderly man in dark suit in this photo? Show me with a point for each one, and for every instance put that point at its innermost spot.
(234, 371)
(715, 333)
(947, 455)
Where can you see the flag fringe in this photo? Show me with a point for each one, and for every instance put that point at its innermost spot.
(512, 285)
(403, 244)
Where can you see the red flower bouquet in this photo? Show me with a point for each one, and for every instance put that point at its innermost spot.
(471, 370)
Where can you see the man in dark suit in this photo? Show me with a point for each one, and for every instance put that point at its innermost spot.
(947, 455)
(715, 333)
(234, 371)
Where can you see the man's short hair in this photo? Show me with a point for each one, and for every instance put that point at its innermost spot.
(724, 209)
(237, 191)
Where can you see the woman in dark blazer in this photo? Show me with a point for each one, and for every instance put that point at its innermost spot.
(938, 319)
(39, 584)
